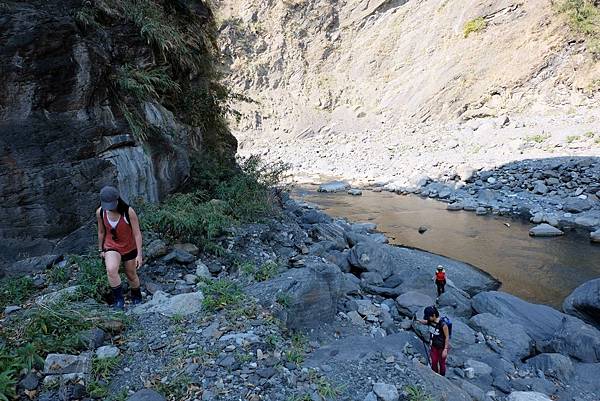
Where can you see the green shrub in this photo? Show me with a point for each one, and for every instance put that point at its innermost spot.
(474, 25)
(573, 138)
(417, 393)
(15, 291)
(102, 369)
(59, 274)
(583, 16)
(187, 217)
(537, 138)
(8, 383)
(219, 294)
(92, 276)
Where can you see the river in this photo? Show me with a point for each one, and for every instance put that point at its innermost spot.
(540, 270)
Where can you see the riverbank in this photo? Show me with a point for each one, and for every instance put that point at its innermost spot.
(306, 306)
(539, 270)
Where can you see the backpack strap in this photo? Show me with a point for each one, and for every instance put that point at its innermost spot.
(102, 218)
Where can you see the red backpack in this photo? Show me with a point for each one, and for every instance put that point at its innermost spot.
(440, 276)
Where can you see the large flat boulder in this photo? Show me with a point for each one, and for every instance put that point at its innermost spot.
(575, 338)
(553, 365)
(511, 339)
(312, 291)
(584, 302)
(539, 321)
(417, 267)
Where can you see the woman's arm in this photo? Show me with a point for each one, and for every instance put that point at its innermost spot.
(447, 341)
(101, 230)
(137, 233)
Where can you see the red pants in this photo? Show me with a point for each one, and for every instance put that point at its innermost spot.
(438, 364)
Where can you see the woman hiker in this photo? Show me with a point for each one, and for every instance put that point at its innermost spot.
(440, 329)
(119, 240)
(440, 280)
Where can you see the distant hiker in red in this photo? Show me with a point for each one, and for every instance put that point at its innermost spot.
(440, 280)
(119, 240)
(440, 330)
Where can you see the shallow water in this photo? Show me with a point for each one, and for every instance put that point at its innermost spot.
(541, 270)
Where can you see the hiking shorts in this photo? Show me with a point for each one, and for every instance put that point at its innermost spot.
(125, 257)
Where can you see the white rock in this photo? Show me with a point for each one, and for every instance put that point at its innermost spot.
(182, 304)
(527, 396)
(387, 392)
(107, 351)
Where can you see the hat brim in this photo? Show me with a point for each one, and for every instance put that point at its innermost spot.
(109, 205)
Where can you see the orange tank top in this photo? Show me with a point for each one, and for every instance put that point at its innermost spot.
(120, 238)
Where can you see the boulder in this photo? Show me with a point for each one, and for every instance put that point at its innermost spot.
(462, 335)
(367, 308)
(539, 321)
(416, 267)
(371, 278)
(553, 365)
(584, 302)
(595, 236)
(479, 368)
(413, 302)
(202, 270)
(527, 396)
(107, 351)
(189, 248)
(576, 339)
(180, 256)
(576, 205)
(56, 296)
(545, 230)
(146, 395)
(335, 186)
(33, 265)
(314, 291)
(350, 284)
(354, 192)
(339, 258)
(156, 249)
(94, 337)
(456, 303)
(313, 216)
(182, 304)
(386, 392)
(61, 364)
(513, 342)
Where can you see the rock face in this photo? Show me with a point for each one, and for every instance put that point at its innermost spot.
(312, 291)
(584, 302)
(63, 130)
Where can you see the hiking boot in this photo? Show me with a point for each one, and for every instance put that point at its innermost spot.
(119, 300)
(136, 296)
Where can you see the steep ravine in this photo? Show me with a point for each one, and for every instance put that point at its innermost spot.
(393, 90)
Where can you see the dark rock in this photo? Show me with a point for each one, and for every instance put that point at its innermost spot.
(156, 249)
(36, 264)
(350, 284)
(314, 216)
(266, 373)
(513, 341)
(371, 278)
(455, 303)
(382, 291)
(29, 382)
(94, 338)
(413, 302)
(313, 290)
(539, 321)
(338, 258)
(146, 395)
(584, 302)
(576, 339)
(577, 205)
(72, 392)
(180, 256)
(553, 365)
(393, 281)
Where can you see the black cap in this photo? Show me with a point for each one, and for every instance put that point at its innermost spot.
(429, 312)
(109, 197)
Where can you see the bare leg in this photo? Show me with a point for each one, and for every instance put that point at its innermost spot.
(131, 273)
(112, 260)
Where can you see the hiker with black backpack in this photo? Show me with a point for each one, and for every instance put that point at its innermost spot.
(440, 330)
(119, 240)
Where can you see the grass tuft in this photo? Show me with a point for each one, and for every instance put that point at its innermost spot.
(473, 26)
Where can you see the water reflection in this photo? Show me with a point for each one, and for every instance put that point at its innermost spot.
(543, 270)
